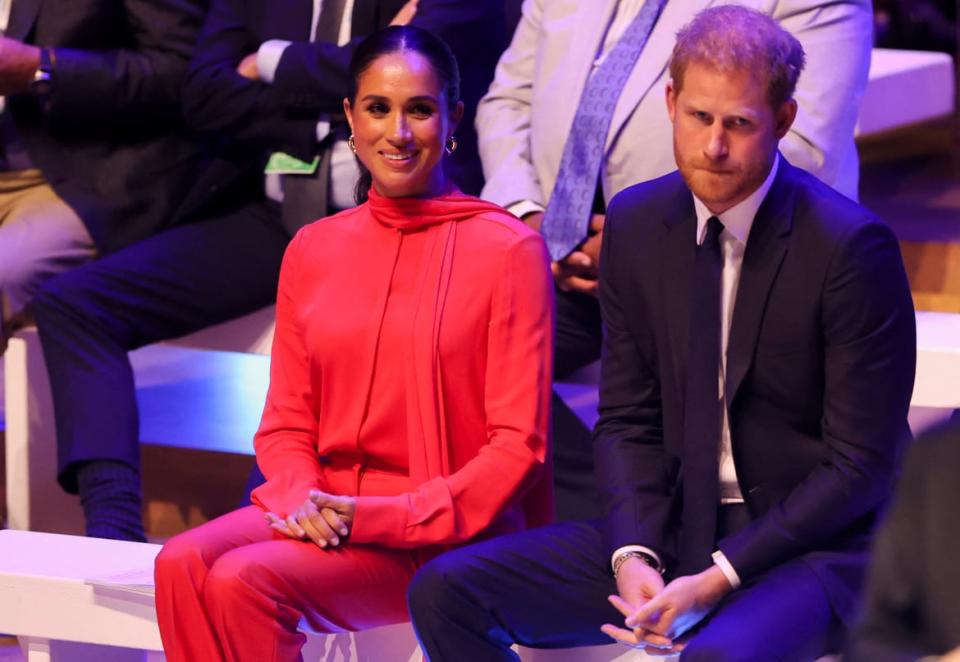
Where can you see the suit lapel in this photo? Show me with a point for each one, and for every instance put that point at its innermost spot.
(766, 248)
(653, 60)
(589, 26)
(678, 251)
(23, 13)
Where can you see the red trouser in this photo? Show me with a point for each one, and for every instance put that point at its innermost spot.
(232, 589)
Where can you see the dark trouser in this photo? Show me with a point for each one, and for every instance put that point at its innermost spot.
(577, 345)
(171, 284)
(548, 588)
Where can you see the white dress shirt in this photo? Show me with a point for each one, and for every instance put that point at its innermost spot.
(737, 222)
(343, 165)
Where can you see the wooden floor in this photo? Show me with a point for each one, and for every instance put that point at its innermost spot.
(911, 179)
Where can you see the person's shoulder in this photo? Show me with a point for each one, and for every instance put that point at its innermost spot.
(656, 198)
(826, 209)
(495, 224)
(339, 222)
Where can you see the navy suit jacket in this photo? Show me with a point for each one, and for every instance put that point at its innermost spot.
(820, 369)
(109, 137)
(251, 119)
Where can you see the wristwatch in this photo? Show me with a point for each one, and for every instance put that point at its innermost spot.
(636, 554)
(42, 78)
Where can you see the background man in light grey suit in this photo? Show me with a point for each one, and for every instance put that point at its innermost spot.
(524, 121)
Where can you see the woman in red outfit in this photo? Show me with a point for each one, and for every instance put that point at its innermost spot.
(409, 390)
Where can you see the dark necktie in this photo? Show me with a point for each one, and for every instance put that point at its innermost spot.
(702, 413)
(567, 217)
(328, 24)
(306, 197)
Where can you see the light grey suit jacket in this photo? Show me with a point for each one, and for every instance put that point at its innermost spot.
(524, 119)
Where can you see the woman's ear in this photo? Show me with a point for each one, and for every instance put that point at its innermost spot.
(348, 112)
(455, 116)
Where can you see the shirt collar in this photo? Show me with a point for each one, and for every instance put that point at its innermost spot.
(738, 219)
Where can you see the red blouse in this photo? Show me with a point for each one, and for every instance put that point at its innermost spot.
(411, 368)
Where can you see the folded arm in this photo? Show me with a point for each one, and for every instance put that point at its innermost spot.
(218, 100)
(315, 76)
(134, 85)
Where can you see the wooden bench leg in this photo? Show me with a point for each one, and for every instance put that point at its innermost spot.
(34, 499)
(35, 649)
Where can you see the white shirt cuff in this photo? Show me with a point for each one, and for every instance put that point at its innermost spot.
(268, 58)
(721, 561)
(323, 130)
(524, 207)
(634, 548)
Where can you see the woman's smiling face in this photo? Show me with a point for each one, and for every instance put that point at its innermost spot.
(401, 120)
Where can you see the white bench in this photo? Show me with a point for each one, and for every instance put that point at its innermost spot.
(925, 78)
(69, 588)
(904, 88)
(35, 502)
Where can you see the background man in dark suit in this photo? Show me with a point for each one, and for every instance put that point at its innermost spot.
(912, 610)
(757, 368)
(226, 264)
(93, 155)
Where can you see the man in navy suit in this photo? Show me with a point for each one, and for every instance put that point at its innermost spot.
(93, 151)
(758, 362)
(268, 77)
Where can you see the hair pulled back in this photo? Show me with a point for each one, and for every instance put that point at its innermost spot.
(399, 39)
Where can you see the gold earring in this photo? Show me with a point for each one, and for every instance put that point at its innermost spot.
(352, 143)
(451, 144)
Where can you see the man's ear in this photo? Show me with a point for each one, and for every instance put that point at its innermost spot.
(671, 100)
(785, 116)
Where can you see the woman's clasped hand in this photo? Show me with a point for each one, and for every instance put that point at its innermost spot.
(322, 518)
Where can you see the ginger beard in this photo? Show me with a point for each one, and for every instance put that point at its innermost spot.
(725, 133)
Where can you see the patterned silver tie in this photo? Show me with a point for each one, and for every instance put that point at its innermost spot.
(565, 222)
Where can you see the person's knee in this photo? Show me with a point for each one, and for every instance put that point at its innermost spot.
(15, 270)
(54, 297)
(428, 587)
(178, 556)
(19, 279)
(712, 646)
(72, 304)
(439, 586)
(236, 576)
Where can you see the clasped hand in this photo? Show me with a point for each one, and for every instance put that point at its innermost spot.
(577, 272)
(18, 63)
(656, 616)
(323, 518)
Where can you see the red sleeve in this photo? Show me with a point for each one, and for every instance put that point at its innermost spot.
(286, 443)
(455, 508)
